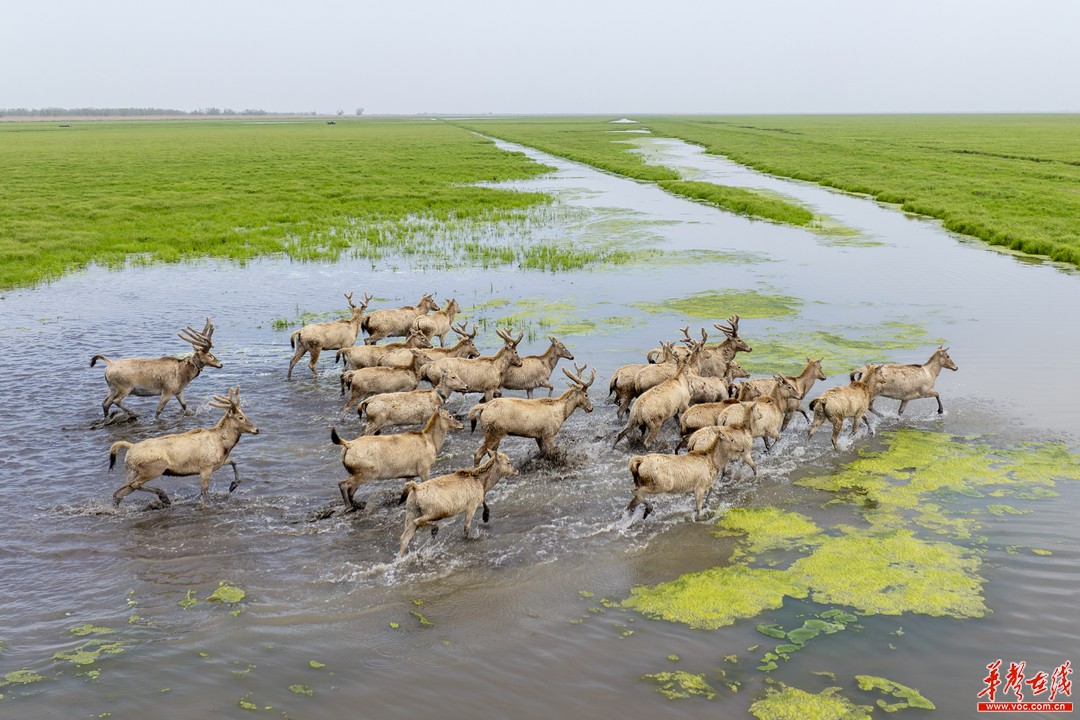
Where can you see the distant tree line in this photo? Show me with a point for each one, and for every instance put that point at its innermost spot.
(130, 112)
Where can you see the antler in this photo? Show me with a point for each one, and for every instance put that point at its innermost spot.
(577, 379)
(200, 340)
(460, 330)
(733, 326)
(227, 402)
(505, 335)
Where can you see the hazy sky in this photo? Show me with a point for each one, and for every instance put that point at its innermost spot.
(549, 56)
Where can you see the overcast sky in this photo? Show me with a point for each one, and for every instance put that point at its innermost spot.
(544, 56)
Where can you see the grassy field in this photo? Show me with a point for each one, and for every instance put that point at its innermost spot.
(1011, 180)
(113, 192)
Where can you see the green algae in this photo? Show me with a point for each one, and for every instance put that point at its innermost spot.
(1005, 510)
(540, 317)
(89, 652)
(677, 258)
(680, 685)
(893, 573)
(301, 690)
(721, 304)
(768, 528)
(188, 600)
(423, 620)
(246, 704)
(829, 622)
(227, 594)
(717, 597)
(20, 677)
(911, 698)
(316, 664)
(789, 703)
(842, 348)
(1040, 551)
(84, 630)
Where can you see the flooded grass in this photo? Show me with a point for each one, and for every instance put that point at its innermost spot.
(741, 201)
(722, 304)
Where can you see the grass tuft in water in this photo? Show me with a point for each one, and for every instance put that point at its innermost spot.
(722, 304)
(788, 703)
(911, 698)
(680, 685)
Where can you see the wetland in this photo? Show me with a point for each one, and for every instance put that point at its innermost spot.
(882, 577)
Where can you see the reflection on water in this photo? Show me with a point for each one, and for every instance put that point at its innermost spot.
(331, 618)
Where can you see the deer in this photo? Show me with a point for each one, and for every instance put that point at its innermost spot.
(411, 407)
(714, 389)
(465, 347)
(366, 382)
(384, 457)
(912, 382)
(195, 452)
(624, 380)
(438, 323)
(484, 374)
(535, 371)
(363, 356)
(537, 418)
(332, 335)
(738, 413)
(851, 401)
(398, 322)
(165, 377)
(445, 496)
(741, 437)
(694, 472)
(667, 400)
(715, 358)
(804, 382)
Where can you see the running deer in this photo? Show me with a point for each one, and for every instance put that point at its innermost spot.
(438, 323)
(912, 382)
(851, 401)
(196, 452)
(165, 377)
(535, 371)
(332, 335)
(484, 374)
(537, 418)
(384, 457)
(445, 496)
(804, 381)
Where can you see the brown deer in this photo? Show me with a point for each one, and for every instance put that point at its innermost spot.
(438, 323)
(912, 382)
(851, 401)
(332, 335)
(196, 452)
(379, 324)
(537, 418)
(535, 371)
(165, 377)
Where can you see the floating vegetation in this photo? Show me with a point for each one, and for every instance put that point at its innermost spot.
(89, 652)
(668, 258)
(423, 620)
(84, 630)
(893, 573)
(539, 317)
(827, 623)
(721, 304)
(301, 690)
(768, 528)
(188, 600)
(841, 349)
(788, 703)
(226, 593)
(316, 664)
(910, 697)
(20, 677)
(717, 597)
(680, 685)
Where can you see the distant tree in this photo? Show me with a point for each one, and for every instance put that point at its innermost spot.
(340, 113)
(359, 111)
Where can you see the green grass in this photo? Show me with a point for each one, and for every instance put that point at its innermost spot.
(740, 201)
(116, 192)
(1010, 180)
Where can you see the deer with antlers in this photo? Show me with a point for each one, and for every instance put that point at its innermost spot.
(439, 322)
(332, 335)
(196, 452)
(165, 377)
(537, 418)
(379, 324)
(484, 374)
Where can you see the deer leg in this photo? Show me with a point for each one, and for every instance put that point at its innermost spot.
(204, 483)
(940, 408)
(903, 406)
(118, 400)
(487, 512)
(650, 437)
(162, 496)
(468, 519)
(162, 402)
(838, 425)
(236, 476)
(491, 443)
(315, 350)
(749, 461)
(549, 386)
(547, 446)
(818, 421)
(866, 421)
(299, 353)
(407, 535)
(348, 490)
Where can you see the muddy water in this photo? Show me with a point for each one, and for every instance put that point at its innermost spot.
(522, 621)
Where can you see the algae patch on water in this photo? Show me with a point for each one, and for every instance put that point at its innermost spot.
(909, 696)
(720, 304)
(539, 317)
(789, 703)
(679, 685)
(717, 597)
(768, 528)
(226, 593)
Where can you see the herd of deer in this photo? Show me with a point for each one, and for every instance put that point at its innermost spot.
(687, 380)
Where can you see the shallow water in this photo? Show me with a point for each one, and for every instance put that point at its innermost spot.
(522, 620)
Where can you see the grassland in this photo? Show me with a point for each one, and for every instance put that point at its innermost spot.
(1010, 180)
(114, 192)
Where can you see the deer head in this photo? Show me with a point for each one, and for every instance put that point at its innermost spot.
(202, 343)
